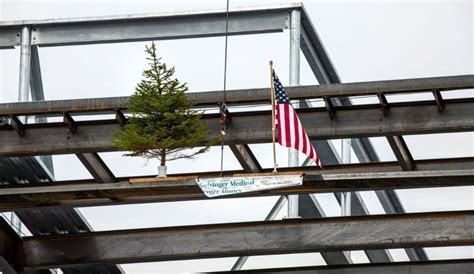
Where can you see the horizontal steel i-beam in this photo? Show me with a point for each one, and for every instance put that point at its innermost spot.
(254, 95)
(254, 127)
(354, 177)
(145, 27)
(254, 238)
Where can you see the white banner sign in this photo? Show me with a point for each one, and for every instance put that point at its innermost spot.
(221, 186)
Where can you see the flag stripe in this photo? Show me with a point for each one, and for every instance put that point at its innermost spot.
(305, 142)
(296, 123)
(281, 123)
(291, 124)
(300, 133)
(287, 125)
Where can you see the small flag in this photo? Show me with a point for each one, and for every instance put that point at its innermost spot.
(291, 132)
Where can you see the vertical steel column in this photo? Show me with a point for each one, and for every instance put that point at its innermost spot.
(346, 201)
(25, 64)
(23, 88)
(295, 34)
(37, 94)
(346, 159)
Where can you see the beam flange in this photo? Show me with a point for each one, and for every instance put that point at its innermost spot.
(439, 266)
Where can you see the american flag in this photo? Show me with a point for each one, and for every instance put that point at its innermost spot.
(291, 132)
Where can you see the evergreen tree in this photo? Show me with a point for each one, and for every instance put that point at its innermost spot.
(162, 123)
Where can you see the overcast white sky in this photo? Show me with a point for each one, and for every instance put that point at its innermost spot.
(366, 41)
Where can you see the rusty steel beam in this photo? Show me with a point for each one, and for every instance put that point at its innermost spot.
(401, 151)
(86, 193)
(253, 127)
(96, 167)
(246, 158)
(254, 95)
(253, 238)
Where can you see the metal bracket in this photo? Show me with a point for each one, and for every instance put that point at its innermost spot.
(225, 117)
(70, 123)
(120, 117)
(34, 35)
(17, 39)
(439, 99)
(329, 107)
(17, 125)
(383, 103)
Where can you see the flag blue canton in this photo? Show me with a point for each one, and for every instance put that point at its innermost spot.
(280, 94)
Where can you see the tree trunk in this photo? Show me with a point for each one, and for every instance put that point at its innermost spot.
(163, 157)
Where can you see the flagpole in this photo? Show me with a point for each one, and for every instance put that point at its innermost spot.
(272, 98)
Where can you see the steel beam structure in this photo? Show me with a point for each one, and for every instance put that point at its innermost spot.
(37, 94)
(145, 27)
(401, 151)
(294, 54)
(271, 216)
(255, 95)
(46, 221)
(246, 158)
(63, 220)
(96, 167)
(25, 64)
(409, 85)
(255, 238)
(310, 208)
(138, 28)
(252, 127)
(249, 163)
(177, 188)
(325, 72)
(9, 242)
(464, 266)
(36, 80)
(315, 53)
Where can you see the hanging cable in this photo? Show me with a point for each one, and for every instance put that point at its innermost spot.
(225, 115)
